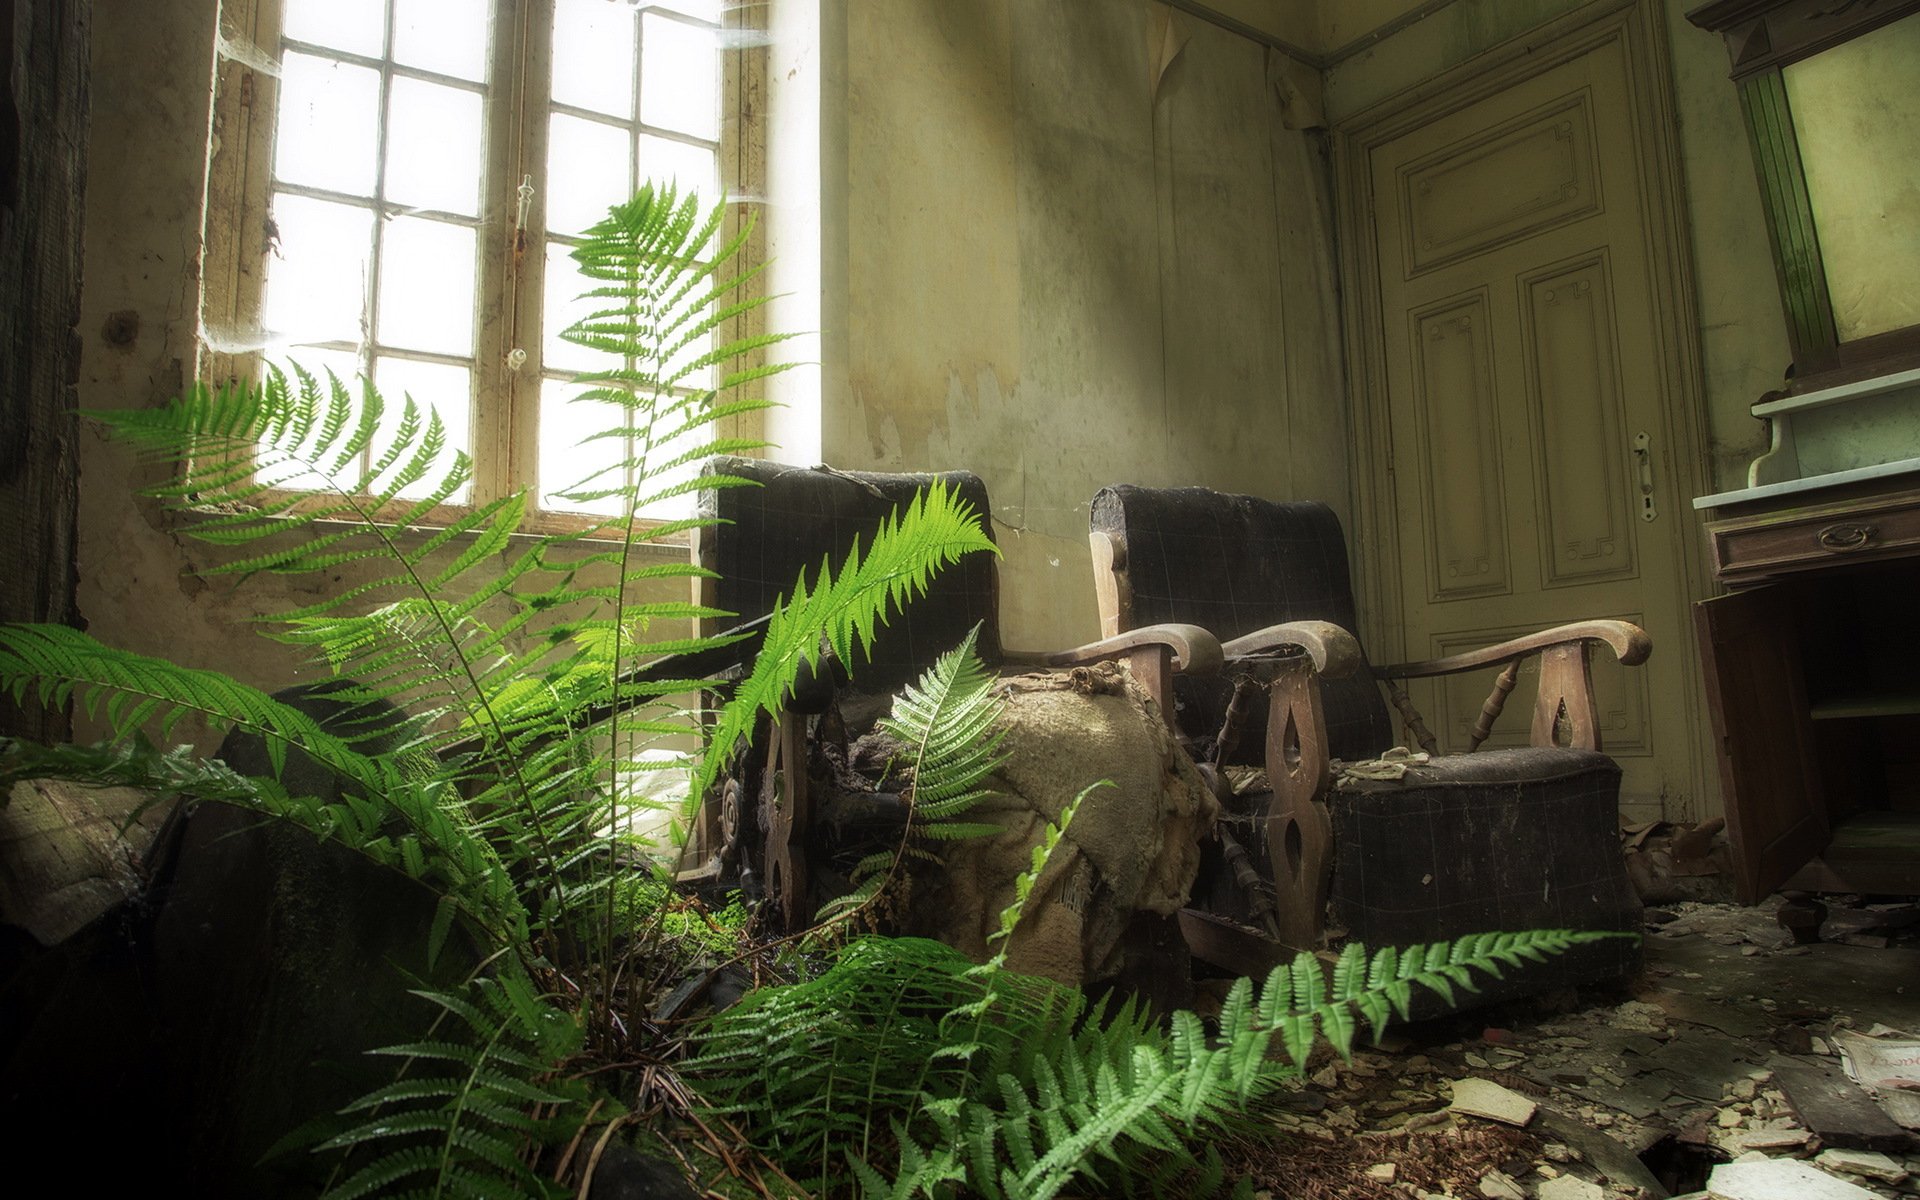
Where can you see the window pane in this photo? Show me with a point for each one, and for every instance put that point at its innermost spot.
(426, 286)
(562, 306)
(328, 122)
(443, 388)
(566, 463)
(693, 168)
(588, 171)
(679, 77)
(356, 26)
(433, 147)
(448, 36)
(317, 281)
(593, 56)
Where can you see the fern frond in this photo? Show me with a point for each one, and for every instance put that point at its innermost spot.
(944, 719)
(52, 663)
(462, 1125)
(934, 530)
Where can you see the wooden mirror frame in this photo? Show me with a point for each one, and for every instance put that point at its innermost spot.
(1763, 37)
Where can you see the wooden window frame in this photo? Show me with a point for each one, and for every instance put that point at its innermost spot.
(511, 253)
(1764, 37)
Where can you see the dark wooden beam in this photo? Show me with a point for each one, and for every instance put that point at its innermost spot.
(44, 45)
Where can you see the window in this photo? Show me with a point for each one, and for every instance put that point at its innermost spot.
(407, 191)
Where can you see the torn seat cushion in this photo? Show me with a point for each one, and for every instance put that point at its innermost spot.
(1503, 840)
(1133, 847)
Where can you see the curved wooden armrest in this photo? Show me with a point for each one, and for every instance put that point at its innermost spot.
(1195, 651)
(1334, 651)
(1630, 644)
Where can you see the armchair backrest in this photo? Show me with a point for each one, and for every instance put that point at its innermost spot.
(1234, 565)
(799, 517)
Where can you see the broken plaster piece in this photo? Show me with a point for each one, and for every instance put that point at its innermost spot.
(1779, 1179)
(1483, 1098)
(1774, 1139)
(1571, 1187)
(1867, 1164)
(1497, 1185)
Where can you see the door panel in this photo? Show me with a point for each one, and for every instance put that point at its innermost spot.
(1522, 363)
(1503, 183)
(1459, 428)
(1573, 399)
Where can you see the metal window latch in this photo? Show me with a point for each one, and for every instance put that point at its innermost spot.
(524, 197)
(524, 193)
(1643, 457)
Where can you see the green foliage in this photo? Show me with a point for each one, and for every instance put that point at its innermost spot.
(53, 663)
(460, 1121)
(841, 612)
(946, 721)
(833, 1074)
(516, 659)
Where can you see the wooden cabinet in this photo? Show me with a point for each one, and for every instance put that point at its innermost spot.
(1813, 682)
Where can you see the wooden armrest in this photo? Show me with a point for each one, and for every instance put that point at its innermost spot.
(1334, 651)
(1195, 651)
(1630, 644)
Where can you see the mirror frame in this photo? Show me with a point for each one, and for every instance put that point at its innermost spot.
(1763, 37)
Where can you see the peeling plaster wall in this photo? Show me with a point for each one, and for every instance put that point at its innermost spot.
(1743, 334)
(1060, 279)
(152, 67)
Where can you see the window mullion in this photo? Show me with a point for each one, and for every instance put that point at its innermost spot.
(494, 374)
(522, 247)
(238, 203)
(743, 171)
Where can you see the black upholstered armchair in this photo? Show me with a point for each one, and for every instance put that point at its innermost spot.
(1400, 852)
(797, 517)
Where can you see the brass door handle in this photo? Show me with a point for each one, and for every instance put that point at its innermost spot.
(1842, 538)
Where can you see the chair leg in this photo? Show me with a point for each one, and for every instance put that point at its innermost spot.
(1299, 832)
(787, 809)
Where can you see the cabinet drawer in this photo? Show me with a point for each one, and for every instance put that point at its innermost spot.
(1779, 543)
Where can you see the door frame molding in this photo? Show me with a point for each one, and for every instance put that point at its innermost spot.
(1638, 26)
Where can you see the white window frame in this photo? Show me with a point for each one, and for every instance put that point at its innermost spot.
(509, 288)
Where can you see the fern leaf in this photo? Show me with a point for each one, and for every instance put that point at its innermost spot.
(934, 530)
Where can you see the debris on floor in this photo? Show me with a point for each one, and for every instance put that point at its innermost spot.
(1743, 1066)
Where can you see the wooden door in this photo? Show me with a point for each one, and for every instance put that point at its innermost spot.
(1757, 695)
(1529, 464)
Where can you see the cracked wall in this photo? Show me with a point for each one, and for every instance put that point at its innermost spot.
(1064, 272)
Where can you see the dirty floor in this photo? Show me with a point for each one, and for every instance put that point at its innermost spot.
(1725, 1050)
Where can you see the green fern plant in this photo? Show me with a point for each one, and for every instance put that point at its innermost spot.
(461, 1123)
(515, 657)
(841, 612)
(946, 722)
(1036, 1088)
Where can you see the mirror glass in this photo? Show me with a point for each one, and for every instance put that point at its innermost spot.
(1856, 115)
